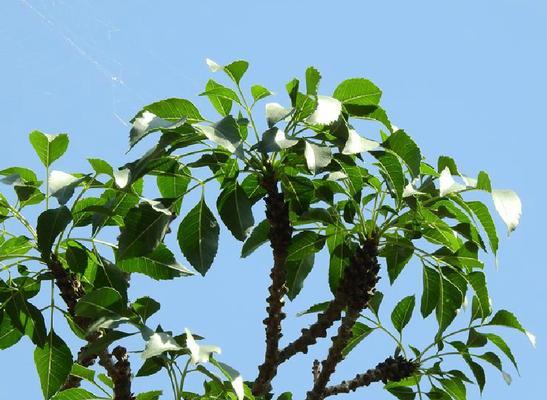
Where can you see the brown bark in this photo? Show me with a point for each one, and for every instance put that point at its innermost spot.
(277, 213)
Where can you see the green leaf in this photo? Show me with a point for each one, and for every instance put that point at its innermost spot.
(258, 236)
(340, 254)
(508, 319)
(455, 388)
(450, 300)
(500, 344)
(101, 166)
(147, 122)
(173, 110)
(100, 302)
(225, 133)
(198, 237)
(253, 189)
(401, 144)
(222, 104)
(9, 334)
(75, 394)
(160, 264)
(274, 139)
(152, 395)
(299, 192)
(144, 228)
(48, 147)
(236, 69)
(82, 372)
(235, 211)
(316, 308)
(62, 185)
(218, 91)
(375, 302)
(393, 171)
(402, 313)
(312, 81)
(397, 251)
(145, 307)
(477, 280)
(402, 392)
(358, 333)
(259, 92)
(26, 318)
(53, 363)
(297, 271)
(305, 244)
(482, 213)
(358, 91)
(478, 372)
(15, 246)
(50, 224)
(173, 183)
(317, 156)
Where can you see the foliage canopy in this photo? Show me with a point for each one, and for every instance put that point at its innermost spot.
(372, 204)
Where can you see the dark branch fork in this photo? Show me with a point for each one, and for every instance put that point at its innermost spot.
(71, 290)
(277, 213)
(357, 288)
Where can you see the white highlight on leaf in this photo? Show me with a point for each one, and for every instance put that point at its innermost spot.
(531, 338)
(59, 180)
(410, 190)
(275, 112)
(328, 110)
(149, 122)
(506, 377)
(336, 176)
(199, 353)
(357, 144)
(237, 384)
(158, 343)
(448, 184)
(158, 206)
(469, 182)
(213, 66)
(508, 206)
(50, 138)
(121, 177)
(235, 379)
(317, 156)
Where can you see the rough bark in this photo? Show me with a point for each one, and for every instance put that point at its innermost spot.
(277, 213)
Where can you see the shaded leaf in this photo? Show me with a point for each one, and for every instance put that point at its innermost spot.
(53, 363)
(198, 237)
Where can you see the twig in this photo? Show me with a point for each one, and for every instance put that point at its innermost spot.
(390, 370)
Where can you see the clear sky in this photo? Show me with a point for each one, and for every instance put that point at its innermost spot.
(466, 79)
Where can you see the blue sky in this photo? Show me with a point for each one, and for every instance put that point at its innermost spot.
(465, 78)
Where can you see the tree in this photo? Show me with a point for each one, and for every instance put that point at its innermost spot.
(373, 205)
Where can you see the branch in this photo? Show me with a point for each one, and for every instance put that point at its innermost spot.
(358, 286)
(277, 213)
(71, 290)
(390, 370)
(318, 329)
(334, 356)
(119, 372)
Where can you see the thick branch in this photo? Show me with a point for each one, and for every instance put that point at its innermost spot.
(277, 213)
(318, 329)
(357, 287)
(71, 290)
(390, 370)
(335, 354)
